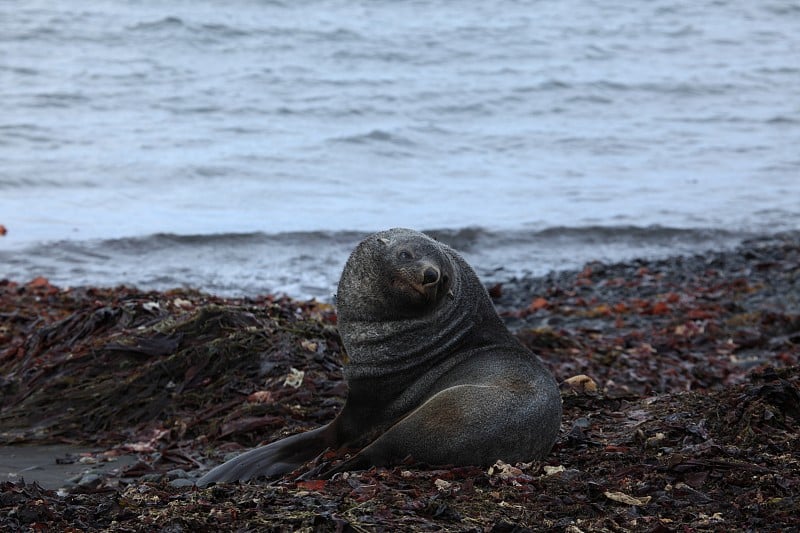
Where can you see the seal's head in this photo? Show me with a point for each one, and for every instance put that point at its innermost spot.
(393, 275)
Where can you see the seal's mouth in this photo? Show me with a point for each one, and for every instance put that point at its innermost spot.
(420, 289)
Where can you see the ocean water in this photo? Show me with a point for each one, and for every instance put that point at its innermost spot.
(245, 147)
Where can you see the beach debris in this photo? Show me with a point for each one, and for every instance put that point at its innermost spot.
(581, 384)
(294, 378)
(260, 396)
(621, 497)
(553, 470)
(504, 470)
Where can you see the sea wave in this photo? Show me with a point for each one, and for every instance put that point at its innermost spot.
(307, 264)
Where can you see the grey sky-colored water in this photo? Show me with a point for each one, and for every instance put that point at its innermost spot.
(125, 120)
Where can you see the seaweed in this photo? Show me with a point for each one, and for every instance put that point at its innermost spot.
(680, 383)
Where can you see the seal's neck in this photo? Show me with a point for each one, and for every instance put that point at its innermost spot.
(414, 346)
(385, 348)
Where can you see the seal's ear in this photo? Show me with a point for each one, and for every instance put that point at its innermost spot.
(384, 240)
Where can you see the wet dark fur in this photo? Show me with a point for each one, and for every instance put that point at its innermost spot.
(433, 372)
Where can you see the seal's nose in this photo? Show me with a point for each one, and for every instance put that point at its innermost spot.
(430, 276)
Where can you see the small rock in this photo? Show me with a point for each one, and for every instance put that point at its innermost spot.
(442, 485)
(583, 423)
(551, 470)
(581, 384)
(177, 473)
(90, 479)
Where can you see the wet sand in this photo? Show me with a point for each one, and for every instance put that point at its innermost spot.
(56, 466)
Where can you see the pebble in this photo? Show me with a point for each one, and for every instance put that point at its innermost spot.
(182, 482)
(177, 473)
(90, 479)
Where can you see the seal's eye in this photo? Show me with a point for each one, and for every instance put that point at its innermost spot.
(405, 255)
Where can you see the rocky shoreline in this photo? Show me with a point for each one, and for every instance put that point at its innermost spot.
(679, 379)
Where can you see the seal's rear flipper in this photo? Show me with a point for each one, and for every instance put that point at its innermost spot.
(271, 460)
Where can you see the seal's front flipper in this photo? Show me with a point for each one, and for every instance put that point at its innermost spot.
(271, 460)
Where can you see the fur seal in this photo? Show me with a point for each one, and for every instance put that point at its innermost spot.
(433, 372)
